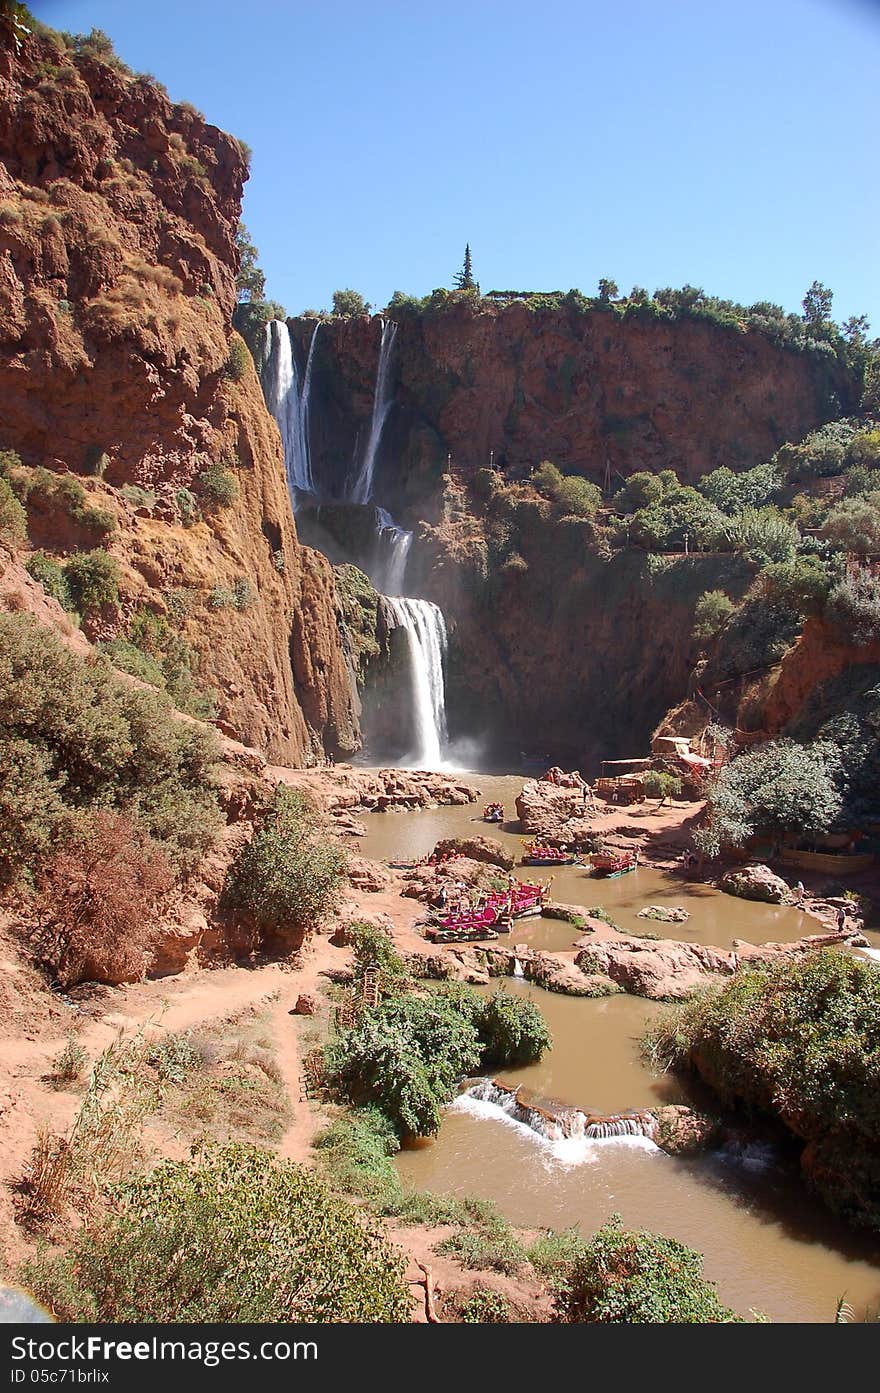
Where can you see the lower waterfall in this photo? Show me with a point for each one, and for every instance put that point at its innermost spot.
(425, 630)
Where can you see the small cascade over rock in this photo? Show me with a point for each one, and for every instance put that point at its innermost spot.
(288, 401)
(425, 632)
(557, 1123)
(392, 550)
(361, 490)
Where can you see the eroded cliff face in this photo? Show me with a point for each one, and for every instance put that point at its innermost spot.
(117, 364)
(589, 391)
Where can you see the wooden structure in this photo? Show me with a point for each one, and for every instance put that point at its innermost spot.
(627, 789)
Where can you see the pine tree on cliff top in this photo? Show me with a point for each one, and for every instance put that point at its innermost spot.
(465, 277)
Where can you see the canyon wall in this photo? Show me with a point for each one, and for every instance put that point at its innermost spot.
(589, 390)
(118, 365)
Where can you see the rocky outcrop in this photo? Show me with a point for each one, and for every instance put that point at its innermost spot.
(119, 373)
(660, 969)
(476, 849)
(756, 882)
(682, 1131)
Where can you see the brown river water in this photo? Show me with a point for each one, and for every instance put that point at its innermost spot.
(767, 1243)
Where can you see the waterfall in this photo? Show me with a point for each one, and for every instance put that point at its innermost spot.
(425, 630)
(518, 968)
(362, 488)
(392, 549)
(557, 1124)
(289, 404)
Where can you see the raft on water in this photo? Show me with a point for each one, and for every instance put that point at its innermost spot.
(537, 854)
(612, 864)
(494, 916)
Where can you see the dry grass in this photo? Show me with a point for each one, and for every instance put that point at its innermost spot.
(236, 1092)
(70, 1172)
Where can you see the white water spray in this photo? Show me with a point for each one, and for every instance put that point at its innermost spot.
(425, 630)
(289, 404)
(362, 488)
(392, 550)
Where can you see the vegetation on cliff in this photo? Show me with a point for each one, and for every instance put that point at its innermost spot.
(77, 739)
(796, 1040)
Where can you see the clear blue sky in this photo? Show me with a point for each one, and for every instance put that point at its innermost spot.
(732, 144)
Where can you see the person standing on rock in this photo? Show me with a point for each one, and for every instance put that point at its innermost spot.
(800, 892)
(841, 919)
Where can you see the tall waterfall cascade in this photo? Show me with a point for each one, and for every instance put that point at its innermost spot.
(288, 401)
(362, 488)
(421, 622)
(425, 634)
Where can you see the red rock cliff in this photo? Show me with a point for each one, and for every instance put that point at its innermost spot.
(588, 390)
(117, 363)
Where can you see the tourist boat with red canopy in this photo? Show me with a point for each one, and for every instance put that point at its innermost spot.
(540, 854)
(611, 864)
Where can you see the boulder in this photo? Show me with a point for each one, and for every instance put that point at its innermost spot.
(661, 969)
(476, 849)
(564, 976)
(681, 1131)
(756, 882)
(306, 1004)
(665, 914)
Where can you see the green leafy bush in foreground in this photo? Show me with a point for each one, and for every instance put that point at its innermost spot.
(798, 1040)
(235, 1236)
(635, 1277)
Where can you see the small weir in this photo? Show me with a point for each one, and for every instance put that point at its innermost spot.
(556, 1123)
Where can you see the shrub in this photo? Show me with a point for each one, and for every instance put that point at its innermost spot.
(801, 584)
(217, 487)
(756, 635)
(644, 488)
(76, 737)
(780, 788)
(661, 785)
(93, 579)
(355, 1152)
(129, 658)
(854, 525)
(187, 507)
(406, 1056)
(853, 608)
(732, 493)
(511, 1031)
(711, 613)
(13, 518)
(797, 1040)
(239, 360)
(679, 517)
(573, 494)
(98, 901)
(485, 1307)
(287, 879)
(70, 1063)
(237, 1236)
(243, 593)
(52, 578)
(496, 1252)
(637, 1277)
(221, 597)
(764, 535)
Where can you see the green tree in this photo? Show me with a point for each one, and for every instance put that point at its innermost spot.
(782, 788)
(711, 613)
(250, 280)
(607, 290)
(817, 306)
(764, 535)
(237, 1235)
(464, 279)
(348, 303)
